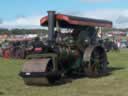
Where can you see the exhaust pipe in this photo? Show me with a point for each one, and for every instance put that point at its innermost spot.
(51, 25)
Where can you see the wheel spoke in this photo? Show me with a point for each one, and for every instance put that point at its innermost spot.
(97, 62)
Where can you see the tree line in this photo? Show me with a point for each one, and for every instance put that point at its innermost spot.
(22, 31)
(38, 31)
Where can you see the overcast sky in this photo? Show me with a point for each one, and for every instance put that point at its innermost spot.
(27, 13)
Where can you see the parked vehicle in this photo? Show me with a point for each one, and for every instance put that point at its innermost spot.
(16, 48)
(124, 44)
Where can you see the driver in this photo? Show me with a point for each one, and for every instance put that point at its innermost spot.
(37, 45)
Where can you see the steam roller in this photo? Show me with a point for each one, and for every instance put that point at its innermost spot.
(76, 52)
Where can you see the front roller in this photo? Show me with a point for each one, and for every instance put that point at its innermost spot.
(39, 72)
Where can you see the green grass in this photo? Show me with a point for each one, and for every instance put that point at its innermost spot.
(115, 84)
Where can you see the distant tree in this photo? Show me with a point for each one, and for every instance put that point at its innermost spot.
(4, 31)
(28, 31)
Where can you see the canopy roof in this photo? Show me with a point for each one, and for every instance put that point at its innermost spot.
(66, 21)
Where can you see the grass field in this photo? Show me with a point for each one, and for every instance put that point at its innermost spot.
(115, 84)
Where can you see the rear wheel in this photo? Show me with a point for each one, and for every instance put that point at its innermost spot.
(97, 66)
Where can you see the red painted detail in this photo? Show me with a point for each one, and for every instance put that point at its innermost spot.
(75, 22)
(6, 54)
(38, 49)
(43, 20)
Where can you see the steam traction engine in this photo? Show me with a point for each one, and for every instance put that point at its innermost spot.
(76, 52)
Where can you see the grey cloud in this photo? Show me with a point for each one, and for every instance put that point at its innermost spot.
(119, 17)
(122, 20)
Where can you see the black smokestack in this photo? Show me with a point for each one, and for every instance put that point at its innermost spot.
(51, 23)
